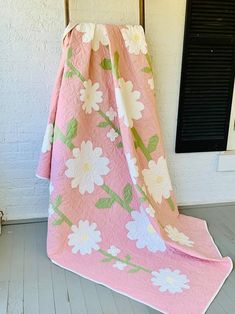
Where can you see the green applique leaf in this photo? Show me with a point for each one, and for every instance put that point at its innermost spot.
(68, 74)
(105, 202)
(103, 124)
(70, 53)
(120, 145)
(115, 66)
(171, 203)
(106, 64)
(58, 221)
(152, 144)
(71, 129)
(127, 193)
(147, 70)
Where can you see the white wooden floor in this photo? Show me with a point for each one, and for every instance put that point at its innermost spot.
(31, 284)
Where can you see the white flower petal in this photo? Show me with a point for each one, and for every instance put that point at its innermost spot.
(151, 83)
(88, 31)
(100, 36)
(132, 166)
(48, 138)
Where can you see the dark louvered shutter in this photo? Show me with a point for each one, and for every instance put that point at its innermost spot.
(207, 77)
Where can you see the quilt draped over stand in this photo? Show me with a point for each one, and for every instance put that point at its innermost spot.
(113, 217)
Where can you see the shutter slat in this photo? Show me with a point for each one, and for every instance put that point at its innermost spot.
(207, 76)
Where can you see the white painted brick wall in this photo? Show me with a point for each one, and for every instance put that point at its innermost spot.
(30, 49)
(30, 32)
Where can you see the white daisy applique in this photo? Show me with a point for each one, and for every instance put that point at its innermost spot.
(171, 281)
(111, 114)
(90, 96)
(112, 135)
(142, 231)
(157, 179)
(113, 250)
(134, 39)
(128, 102)
(87, 168)
(119, 265)
(84, 238)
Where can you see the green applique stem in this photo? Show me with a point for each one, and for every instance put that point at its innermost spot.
(108, 122)
(146, 150)
(114, 197)
(148, 69)
(62, 216)
(71, 132)
(171, 203)
(139, 143)
(72, 69)
(134, 267)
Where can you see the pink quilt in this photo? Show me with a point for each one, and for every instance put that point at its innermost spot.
(113, 217)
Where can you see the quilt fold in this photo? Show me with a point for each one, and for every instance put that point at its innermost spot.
(113, 216)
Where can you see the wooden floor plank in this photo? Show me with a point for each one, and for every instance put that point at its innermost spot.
(45, 288)
(152, 311)
(61, 295)
(15, 289)
(90, 293)
(31, 304)
(6, 248)
(139, 308)
(106, 300)
(76, 296)
(3, 296)
(123, 303)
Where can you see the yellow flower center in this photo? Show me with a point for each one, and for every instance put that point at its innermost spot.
(177, 237)
(150, 229)
(86, 167)
(159, 179)
(84, 237)
(170, 280)
(136, 38)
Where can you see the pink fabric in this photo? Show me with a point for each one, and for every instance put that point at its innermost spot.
(113, 216)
